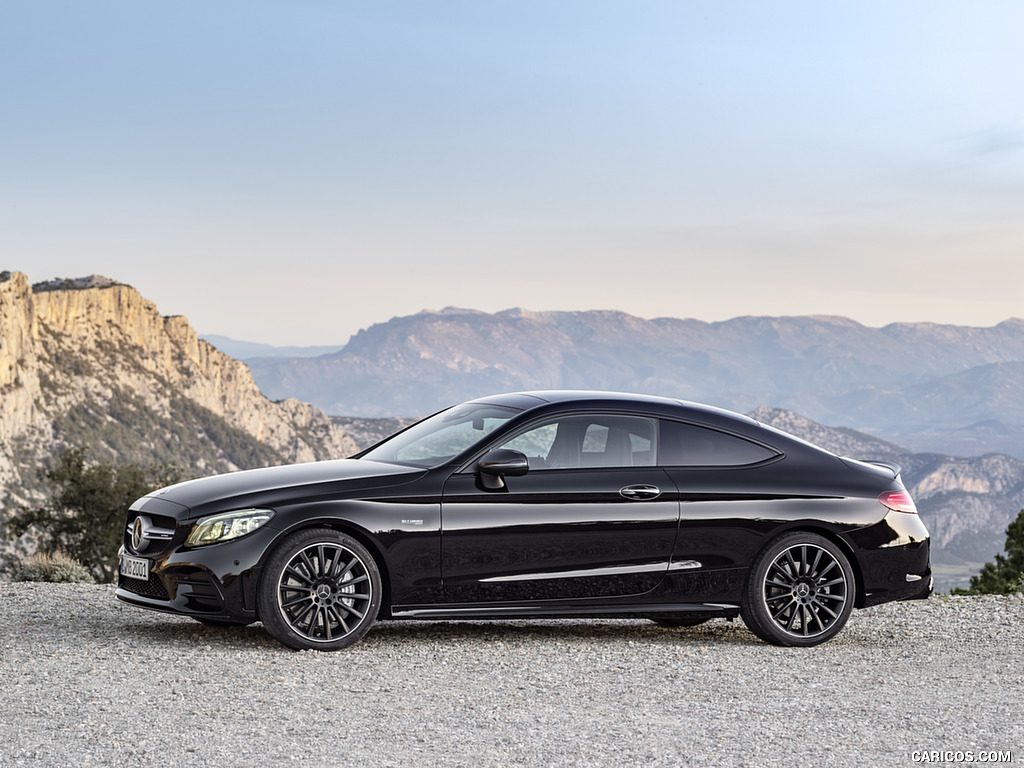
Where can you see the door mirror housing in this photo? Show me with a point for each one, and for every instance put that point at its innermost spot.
(495, 465)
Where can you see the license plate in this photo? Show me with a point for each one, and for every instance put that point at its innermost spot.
(135, 567)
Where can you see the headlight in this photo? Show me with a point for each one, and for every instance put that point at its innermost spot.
(227, 526)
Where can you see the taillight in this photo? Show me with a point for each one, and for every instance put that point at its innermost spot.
(898, 501)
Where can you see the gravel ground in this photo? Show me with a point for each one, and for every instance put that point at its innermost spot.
(85, 680)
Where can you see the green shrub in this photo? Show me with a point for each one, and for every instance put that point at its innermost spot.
(57, 568)
(87, 506)
(1006, 575)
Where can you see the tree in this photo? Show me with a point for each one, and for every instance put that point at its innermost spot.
(85, 514)
(1006, 575)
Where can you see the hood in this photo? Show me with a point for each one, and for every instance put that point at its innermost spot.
(275, 485)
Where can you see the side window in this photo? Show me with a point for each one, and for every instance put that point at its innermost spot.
(535, 443)
(594, 440)
(686, 445)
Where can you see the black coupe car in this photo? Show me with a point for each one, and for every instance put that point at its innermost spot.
(538, 504)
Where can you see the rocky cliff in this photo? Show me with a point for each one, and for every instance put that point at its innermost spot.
(91, 362)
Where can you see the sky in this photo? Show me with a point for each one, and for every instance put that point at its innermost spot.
(290, 172)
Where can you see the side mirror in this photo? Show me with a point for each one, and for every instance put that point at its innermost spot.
(495, 465)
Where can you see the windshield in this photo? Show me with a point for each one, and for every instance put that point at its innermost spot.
(443, 436)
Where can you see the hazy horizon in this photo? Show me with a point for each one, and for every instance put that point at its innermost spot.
(294, 172)
(211, 333)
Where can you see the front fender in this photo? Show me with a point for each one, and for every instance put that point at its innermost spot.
(404, 536)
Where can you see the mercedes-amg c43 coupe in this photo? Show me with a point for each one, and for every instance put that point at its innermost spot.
(538, 505)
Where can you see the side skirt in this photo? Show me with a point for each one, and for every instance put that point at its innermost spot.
(564, 610)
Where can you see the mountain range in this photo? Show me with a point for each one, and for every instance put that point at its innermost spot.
(924, 384)
(240, 350)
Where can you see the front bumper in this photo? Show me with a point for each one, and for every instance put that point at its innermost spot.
(218, 581)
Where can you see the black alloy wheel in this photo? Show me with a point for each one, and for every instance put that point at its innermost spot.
(800, 591)
(320, 590)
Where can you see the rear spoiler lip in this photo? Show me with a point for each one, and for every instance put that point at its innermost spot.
(896, 468)
(889, 465)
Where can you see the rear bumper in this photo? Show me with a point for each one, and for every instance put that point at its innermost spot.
(894, 560)
(914, 590)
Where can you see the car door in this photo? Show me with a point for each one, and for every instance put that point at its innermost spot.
(593, 517)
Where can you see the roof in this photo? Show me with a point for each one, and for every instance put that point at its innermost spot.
(706, 413)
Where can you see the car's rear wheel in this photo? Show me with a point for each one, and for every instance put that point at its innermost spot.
(320, 590)
(675, 623)
(800, 591)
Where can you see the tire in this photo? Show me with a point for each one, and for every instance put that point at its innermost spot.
(220, 622)
(320, 590)
(800, 591)
(675, 623)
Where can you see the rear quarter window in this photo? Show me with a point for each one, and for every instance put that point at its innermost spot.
(687, 445)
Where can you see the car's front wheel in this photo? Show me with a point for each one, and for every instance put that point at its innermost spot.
(800, 591)
(320, 590)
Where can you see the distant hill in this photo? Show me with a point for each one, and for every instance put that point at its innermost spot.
(240, 350)
(367, 431)
(903, 379)
(955, 400)
(989, 436)
(89, 362)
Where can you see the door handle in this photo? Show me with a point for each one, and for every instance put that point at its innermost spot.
(638, 492)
